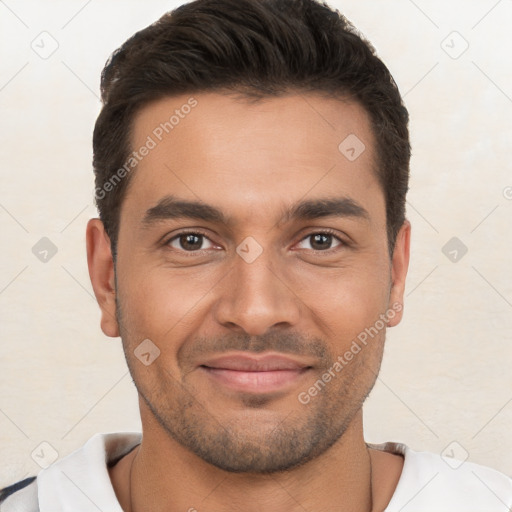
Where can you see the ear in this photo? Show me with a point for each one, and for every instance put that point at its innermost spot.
(399, 267)
(101, 272)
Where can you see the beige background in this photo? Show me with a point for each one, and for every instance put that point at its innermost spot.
(446, 372)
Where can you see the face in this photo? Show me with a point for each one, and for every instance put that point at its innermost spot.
(252, 260)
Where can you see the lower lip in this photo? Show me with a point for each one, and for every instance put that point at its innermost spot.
(256, 382)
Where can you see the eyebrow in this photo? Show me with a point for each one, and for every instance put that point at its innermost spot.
(170, 207)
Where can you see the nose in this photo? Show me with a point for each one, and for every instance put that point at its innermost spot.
(257, 296)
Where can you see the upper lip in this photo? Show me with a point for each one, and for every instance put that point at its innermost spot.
(252, 363)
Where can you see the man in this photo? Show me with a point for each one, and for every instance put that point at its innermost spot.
(252, 163)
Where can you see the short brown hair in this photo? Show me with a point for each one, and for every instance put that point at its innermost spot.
(257, 48)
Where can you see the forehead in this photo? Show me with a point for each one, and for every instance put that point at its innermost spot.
(251, 157)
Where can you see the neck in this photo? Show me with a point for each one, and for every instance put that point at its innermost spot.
(165, 476)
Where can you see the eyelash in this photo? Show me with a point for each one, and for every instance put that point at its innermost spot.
(326, 231)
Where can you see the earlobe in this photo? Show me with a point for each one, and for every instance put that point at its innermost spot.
(399, 267)
(101, 272)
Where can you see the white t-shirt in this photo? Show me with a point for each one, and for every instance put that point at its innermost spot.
(429, 483)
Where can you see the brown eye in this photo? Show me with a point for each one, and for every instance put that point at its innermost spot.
(321, 241)
(189, 242)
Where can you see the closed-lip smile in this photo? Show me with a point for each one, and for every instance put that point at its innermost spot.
(255, 373)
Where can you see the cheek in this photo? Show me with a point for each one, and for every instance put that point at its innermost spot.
(347, 300)
(163, 303)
